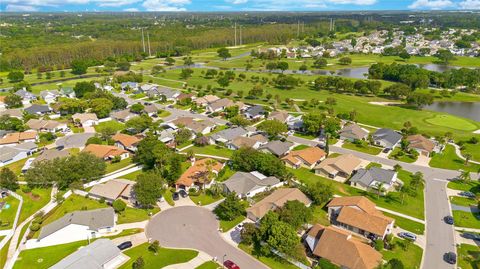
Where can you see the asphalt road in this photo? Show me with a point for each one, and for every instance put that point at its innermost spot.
(196, 228)
(440, 236)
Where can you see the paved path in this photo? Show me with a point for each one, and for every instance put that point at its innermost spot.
(459, 153)
(195, 227)
(201, 258)
(472, 209)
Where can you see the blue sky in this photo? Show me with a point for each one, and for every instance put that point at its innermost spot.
(233, 5)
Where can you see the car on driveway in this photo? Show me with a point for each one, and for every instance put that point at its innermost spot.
(448, 220)
(407, 235)
(183, 193)
(386, 150)
(472, 236)
(450, 257)
(125, 245)
(230, 265)
(175, 196)
(467, 194)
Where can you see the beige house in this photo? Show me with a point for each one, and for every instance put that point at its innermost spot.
(113, 190)
(421, 144)
(308, 157)
(338, 168)
(85, 119)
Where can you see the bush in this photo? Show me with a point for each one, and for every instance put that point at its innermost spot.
(379, 245)
(26, 189)
(119, 205)
(35, 227)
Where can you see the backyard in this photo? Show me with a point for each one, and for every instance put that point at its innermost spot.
(362, 147)
(8, 212)
(112, 124)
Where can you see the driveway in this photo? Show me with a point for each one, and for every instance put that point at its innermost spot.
(195, 227)
(74, 140)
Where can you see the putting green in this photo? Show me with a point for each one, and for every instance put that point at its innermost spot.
(452, 122)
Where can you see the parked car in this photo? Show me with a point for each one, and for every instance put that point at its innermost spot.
(467, 194)
(450, 257)
(386, 150)
(230, 265)
(407, 235)
(448, 220)
(183, 193)
(472, 236)
(175, 196)
(125, 245)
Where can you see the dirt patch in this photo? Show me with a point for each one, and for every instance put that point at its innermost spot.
(34, 197)
(342, 190)
(385, 103)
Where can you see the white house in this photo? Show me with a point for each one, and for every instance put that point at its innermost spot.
(249, 184)
(85, 119)
(49, 96)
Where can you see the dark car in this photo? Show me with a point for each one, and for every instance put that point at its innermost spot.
(125, 245)
(372, 237)
(175, 196)
(472, 236)
(386, 150)
(230, 265)
(467, 194)
(407, 235)
(448, 220)
(183, 193)
(450, 257)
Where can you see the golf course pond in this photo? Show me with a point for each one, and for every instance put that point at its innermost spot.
(469, 110)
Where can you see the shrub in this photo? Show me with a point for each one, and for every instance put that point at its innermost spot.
(119, 205)
(379, 244)
(35, 227)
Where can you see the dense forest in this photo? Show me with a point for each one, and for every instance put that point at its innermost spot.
(54, 40)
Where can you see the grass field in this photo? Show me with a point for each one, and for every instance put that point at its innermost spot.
(409, 225)
(466, 219)
(33, 201)
(362, 148)
(448, 159)
(118, 165)
(472, 186)
(7, 215)
(468, 256)
(412, 205)
(209, 265)
(272, 260)
(452, 122)
(463, 201)
(204, 199)
(212, 150)
(163, 258)
(115, 125)
(3, 254)
(136, 214)
(226, 225)
(472, 149)
(410, 256)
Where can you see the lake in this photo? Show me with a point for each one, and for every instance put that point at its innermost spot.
(470, 110)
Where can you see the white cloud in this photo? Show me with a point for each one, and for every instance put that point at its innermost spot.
(353, 2)
(165, 5)
(237, 2)
(114, 3)
(431, 4)
(20, 8)
(56, 3)
(470, 4)
(132, 9)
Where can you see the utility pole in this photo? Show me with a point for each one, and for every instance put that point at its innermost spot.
(143, 41)
(148, 40)
(241, 43)
(298, 29)
(235, 42)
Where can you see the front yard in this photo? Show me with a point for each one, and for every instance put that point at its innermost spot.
(164, 257)
(468, 256)
(399, 155)
(8, 213)
(463, 201)
(409, 225)
(204, 198)
(226, 225)
(212, 150)
(112, 124)
(448, 159)
(472, 186)
(271, 260)
(362, 147)
(466, 219)
(409, 253)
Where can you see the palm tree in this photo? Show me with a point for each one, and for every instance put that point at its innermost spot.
(403, 192)
(417, 180)
(467, 158)
(465, 176)
(380, 189)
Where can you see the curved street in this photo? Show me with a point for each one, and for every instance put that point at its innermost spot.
(195, 227)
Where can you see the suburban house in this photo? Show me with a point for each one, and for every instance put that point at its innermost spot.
(277, 148)
(122, 115)
(359, 215)
(338, 168)
(196, 126)
(182, 96)
(127, 142)
(29, 147)
(341, 248)
(421, 144)
(46, 125)
(106, 152)
(205, 100)
(49, 96)
(129, 86)
(220, 105)
(78, 225)
(113, 190)
(100, 254)
(166, 136)
(227, 135)
(352, 132)
(281, 116)
(27, 97)
(199, 175)
(386, 138)
(38, 109)
(374, 177)
(276, 200)
(19, 137)
(10, 155)
(168, 94)
(67, 92)
(51, 154)
(308, 157)
(254, 141)
(295, 123)
(245, 184)
(13, 112)
(151, 110)
(85, 119)
(255, 112)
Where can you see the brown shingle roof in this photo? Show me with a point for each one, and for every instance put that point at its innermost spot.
(103, 151)
(126, 140)
(17, 137)
(309, 155)
(198, 172)
(343, 163)
(276, 200)
(420, 142)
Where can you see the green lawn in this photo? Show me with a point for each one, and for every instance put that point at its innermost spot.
(115, 125)
(204, 199)
(212, 150)
(209, 265)
(163, 113)
(467, 254)
(126, 232)
(226, 225)
(320, 216)
(472, 149)
(7, 215)
(362, 148)
(448, 159)
(409, 225)
(133, 175)
(463, 201)
(300, 147)
(403, 158)
(453, 122)
(472, 186)
(33, 201)
(466, 219)
(410, 256)
(136, 214)
(111, 167)
(167, 195)
(272, 260)
(3, 254)
(413, 206)
(163, 258)
(16, 167)
(306, 136)
(45, 257)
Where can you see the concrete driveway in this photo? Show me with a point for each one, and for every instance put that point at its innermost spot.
(74, 140)
(196, 228)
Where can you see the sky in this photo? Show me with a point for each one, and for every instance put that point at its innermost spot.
(233, 5)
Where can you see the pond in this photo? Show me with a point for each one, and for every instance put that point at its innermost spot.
(470, 110)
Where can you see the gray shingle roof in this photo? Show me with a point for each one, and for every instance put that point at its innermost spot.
(230, 134)
(366, 177)
(277, 147)
(34, 109)
(94, 219)
(8, 153)
(243, 183)
(93, 256)
(387, 135)
(255, 110)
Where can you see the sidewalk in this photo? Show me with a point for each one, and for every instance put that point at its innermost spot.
(201, 258)
(459, 153)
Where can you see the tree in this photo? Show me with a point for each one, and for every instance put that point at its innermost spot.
(273, 127)
(345, 61)
(303, 68)
(15, 76)
(248, 234)
(467, 157)
(139, 263)
(395, 264)
(319, 192)
(282, 237)
(295, 213)
(154, 247)
(137, 108)
(417, 180)
(8, 179)
(79, 67)
(119, 205)
(239, 120)
(465, 176)
(182, 136)
(223, 81)
(101, 107)
(230, 208)
(271, 66)
(404, 55)
(379, 186)
(187, 61)
(83, 87)
(223, 53)
(186, 73)
(123, 66)
(11, 124)
(139, 124)
(148, 188)
(13, 101)
(282, 66)
(94, 140)
(445, 56)
(231, 111)
(420, 99)
(151, 153)
(320, 63)
(248, 159)
(170, 61)
(211, 73)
